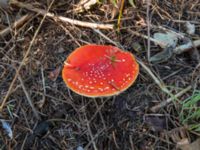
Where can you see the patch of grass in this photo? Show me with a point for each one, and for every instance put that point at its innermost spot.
(190, 112)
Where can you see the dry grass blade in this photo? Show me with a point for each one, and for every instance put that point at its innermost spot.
(164, 103)
(17, 24)
(148, 30)
(94, 137)
(23, 60)
(99, 111)
(146, 37)
(107, 38)
(91, 135)
(61, 18)
(156, 80)
(28, 98)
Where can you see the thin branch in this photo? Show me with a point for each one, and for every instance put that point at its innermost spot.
(99, 111)
(169, 100)
(107, 38)
(68, 32)
(146, 37)
(90, 133)
(148, 30)
(95, 136)
(156, 80)
(61, 18)
(16, 24)
(28, 98)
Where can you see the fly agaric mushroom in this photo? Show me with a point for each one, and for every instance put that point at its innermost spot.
(98, 71)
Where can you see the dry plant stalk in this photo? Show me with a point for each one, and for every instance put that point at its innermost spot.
(61, 18)
(107, 38)
(169, 100)
(15, 25)
(90, 133)
(146, 37)
(156, 80)
(148, 30)
(28, 98)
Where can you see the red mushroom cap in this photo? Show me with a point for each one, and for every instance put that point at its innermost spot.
(98, 70)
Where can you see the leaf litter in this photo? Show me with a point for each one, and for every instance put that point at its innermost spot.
(83, 122)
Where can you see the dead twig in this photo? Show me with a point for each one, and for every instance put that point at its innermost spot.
(91, 135)
(107, 38)
(156, 80)
(28, 98)
(23, 60)
(169, 100)
(68, 32)
(61, 18)
(95, 137)
(148, 30)
(193, 13)
(15, 25)
(99, 111)
(146, 37)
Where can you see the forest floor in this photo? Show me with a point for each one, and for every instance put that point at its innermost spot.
(160, 111)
